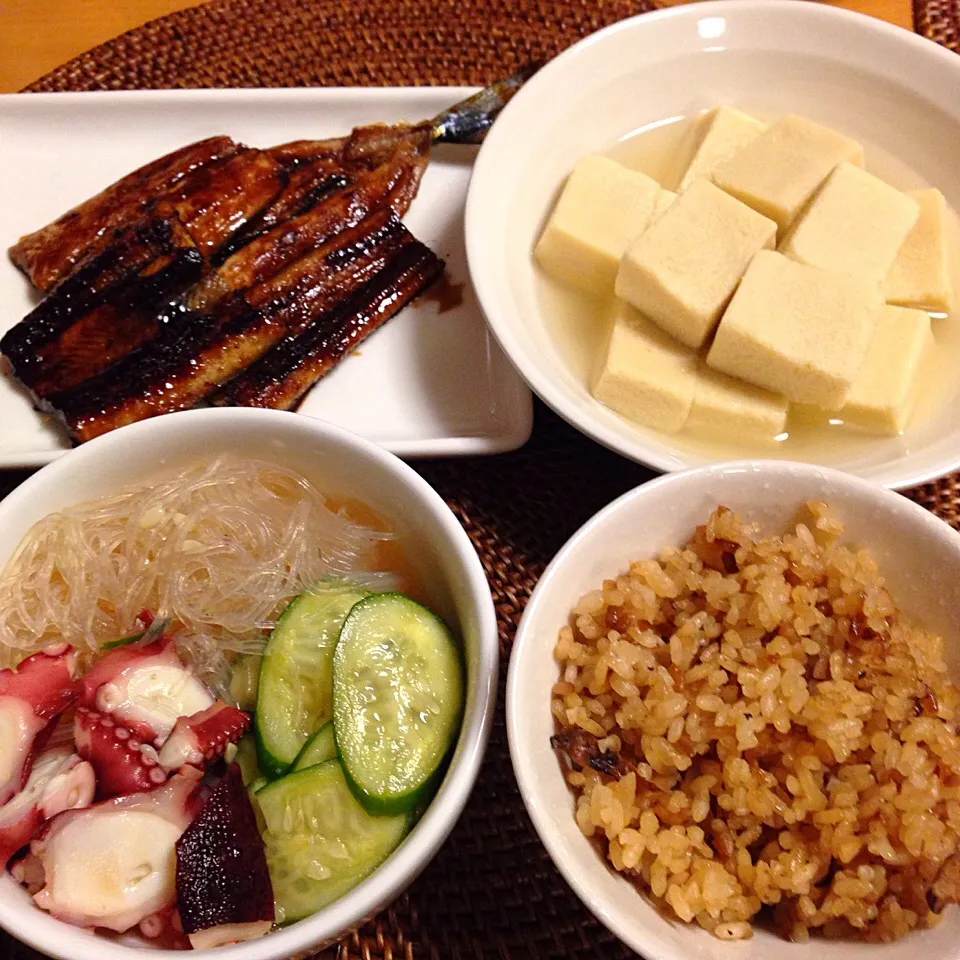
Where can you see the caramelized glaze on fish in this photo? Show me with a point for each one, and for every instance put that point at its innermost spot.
(284, 374)
(227, 274)
(53, 252)
(194, 353)
(105, 309)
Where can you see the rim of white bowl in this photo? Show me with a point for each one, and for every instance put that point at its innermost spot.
(59, 939)
(558, 397)
(543, 822)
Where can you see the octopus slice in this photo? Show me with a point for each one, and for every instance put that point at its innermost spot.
(145, 690)
(41, 688)
(113, 864)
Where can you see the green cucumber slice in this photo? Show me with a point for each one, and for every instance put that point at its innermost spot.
(319, 840)
(246, 757)
(397, 699)
(294, 693)
(244, 678)
(318, 749)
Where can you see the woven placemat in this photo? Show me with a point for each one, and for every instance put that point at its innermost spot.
(492, 892)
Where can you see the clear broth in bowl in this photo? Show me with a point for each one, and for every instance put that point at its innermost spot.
(663, 150)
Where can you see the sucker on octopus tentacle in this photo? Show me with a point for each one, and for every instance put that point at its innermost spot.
(59, 781)
(31, 697)
(123, 764)
(144, 689)
(202, 738)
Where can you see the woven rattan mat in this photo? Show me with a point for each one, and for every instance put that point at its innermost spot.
(492, 892)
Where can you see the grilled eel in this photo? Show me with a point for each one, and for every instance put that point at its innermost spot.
(286, 372)
(51, 253)
(105, 309)
(194, 353)
(226, 274)
(86, 324)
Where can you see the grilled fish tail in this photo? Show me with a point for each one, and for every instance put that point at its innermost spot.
(469, 120)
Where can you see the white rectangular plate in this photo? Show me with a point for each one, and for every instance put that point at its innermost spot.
(427, 384)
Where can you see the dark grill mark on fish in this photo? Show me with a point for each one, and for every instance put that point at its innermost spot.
(223, 197)
(52, 253)
(193, 353)
(307, 186)
(106, 309)
(281, 378)
(265, 255)
(290, 256)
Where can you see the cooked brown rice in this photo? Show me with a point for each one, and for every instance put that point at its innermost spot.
(751, 724)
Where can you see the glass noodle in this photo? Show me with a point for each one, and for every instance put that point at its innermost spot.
(219, 548)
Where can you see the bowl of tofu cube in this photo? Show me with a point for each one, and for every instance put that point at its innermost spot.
(731, 230)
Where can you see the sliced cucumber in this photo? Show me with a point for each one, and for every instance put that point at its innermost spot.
(318, 749)
(294, 694)
(255, 786)
(397, 699)
(244, 678)
(319, 840)
(246, 757)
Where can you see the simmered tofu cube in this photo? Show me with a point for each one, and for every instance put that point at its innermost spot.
(724, 404)
(660, 206)
(920, 275)
(603, 207)
(855, 224)
(883, 394)
(724, 131)
(645, 375)
(797, 330)
(683, 270)
(780, 170)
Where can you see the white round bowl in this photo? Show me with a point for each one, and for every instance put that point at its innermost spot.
(875, 82)
(338, 462)
(919, 556)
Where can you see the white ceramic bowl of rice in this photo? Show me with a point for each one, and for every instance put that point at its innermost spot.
(340, 464)
(917, 555)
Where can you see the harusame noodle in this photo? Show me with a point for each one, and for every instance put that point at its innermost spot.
(218, 548)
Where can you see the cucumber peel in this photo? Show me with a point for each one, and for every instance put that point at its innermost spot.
(318, 749)
(294, 691)
(319, 841)
(398, 692)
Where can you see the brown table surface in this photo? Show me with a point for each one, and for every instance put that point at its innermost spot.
(38, 35)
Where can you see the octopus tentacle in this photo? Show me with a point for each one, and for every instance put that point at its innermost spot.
(31, 696)
(58, 781)
(145, 689)
(203, 737)
(123, 764)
